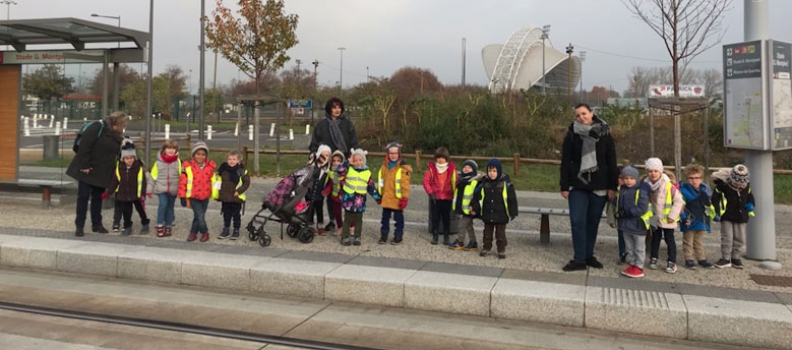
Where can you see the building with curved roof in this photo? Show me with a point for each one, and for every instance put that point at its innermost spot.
(517, 64)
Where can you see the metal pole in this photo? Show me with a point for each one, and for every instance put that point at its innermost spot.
(341, 71)
(544, 36)
(706, 144)
(201, 91)
(761, 234)
(464, 57)
(651, 132)
(256, 138)
(149, 109)
(239, 127)
(677, 143)
(116, 84)
(104, 84)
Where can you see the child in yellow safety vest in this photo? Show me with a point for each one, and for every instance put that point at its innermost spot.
(496, 203)
(195, 189)
(332, 192)
(234, 181)
(463, 197)
(393, 184)
(667, 204)
(164, 184)
(356, 182)
(633, 214)
(129, 185)
(734, 205)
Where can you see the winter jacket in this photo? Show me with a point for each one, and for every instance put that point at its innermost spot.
(387, 184)
(98, 153)
(736, 202)
(355, 202)
(697, 207)
(202, 179)
(462, 184)
(607, 175)
(228, 187)
(630, 212)
(658, 200)
(321, 135)
(167, 177)
(489, 204)
(319, 183)
(125, 182)
(431, 182)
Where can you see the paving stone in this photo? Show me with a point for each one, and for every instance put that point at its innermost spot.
(34, 252)
(225, 271)
(550, 277)
(368, 284)
(739, 322)
(92, 258)
(298, 278)
(561, 304)
(467, 270)
(153, 264)
(636, 311)
(446, 292)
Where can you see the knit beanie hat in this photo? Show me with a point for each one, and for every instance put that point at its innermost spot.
(738, 177)
(128, 149)
(472, 164)
(200, 145)
(654, 164)
(394, 144)
(495, 163)
(322, 148)
(358, 152)
(630, 171)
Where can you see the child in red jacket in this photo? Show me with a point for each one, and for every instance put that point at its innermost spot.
(440, 183)
(195, 188)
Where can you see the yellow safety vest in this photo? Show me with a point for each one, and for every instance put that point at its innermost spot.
(217, 183)
(505, 196)
(155, 170)
(723, 203)
(139, 180)
(467, 197)
(647, 215)
(381, 183)
(188, 172)
(669, 201)
(336, 187)
(357, 181)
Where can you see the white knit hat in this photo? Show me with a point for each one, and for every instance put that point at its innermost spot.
(128, 149)
(358, 152)
(654, 164)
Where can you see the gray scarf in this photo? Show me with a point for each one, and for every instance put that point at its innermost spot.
(335, 134)
(590, 135)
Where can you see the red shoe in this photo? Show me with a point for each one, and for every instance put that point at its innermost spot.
(192, 236)
(628, 271)
(638, 272)
(205, 237)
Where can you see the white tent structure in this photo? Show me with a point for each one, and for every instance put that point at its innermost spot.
(517, 64)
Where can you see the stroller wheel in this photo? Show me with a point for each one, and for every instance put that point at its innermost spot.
(305, 235)
(292, 230)
(259, 232)
(265, 240)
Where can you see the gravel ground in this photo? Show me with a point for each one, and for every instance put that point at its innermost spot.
(523, 252)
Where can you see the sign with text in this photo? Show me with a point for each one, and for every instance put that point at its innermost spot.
(44, 57)
(684, 91)
(746, 118)
(301, 104)
(780, 94)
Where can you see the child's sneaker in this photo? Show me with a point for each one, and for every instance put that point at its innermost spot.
(501, 255)
(346, 241)
(723, 263)
(192, 236)
(127, 231)
(457, 245)
(145, 229)
(356, 241)
(690, 264)
(632, 271)
(224, 234)
(396, 240)
(653, 263)
(330, 227)
(671, 268)
(116, 228)
(471, 246)
(383, 239)
(737, 264)
(484, 252)
(706, 264)
(204, 236)
(235, 235)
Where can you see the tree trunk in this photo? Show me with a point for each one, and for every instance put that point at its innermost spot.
(256, 166)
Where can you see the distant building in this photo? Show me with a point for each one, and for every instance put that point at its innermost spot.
(517, 64)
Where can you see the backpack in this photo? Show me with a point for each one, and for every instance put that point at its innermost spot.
(76, 146)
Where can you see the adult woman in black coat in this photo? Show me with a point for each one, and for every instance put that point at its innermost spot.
(93, 167)
(336, 130)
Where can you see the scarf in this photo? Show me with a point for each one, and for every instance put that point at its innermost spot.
(590, 135)
(657, 185)
(467, 177)
(233, 171)
(169, 159)
(335, 134)
(392, 164)
(441, 168)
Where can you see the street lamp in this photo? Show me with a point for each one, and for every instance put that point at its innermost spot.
(298, 76)
(341, 78)
(8, 4)
(569, 50)
(582, 59)
(545, 31)
(111, 17)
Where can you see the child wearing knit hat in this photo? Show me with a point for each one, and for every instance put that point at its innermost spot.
(667, 204)
(633, 213)
(356, 182)
(463, 195)
(393, 184)
(195, 189)
(734, 205)
(129, 186)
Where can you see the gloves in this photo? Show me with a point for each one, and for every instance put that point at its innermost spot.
(403, 203)
(326, 192)
(433, 199)
(379, 201)
(143, 198)
(716, 218)
(183, 202)
(105, 195)
(620, 214)
(749, 206)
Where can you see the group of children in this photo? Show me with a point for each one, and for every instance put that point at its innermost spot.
(658, 205)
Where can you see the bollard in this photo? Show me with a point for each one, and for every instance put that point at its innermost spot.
(35, 123)
(236, 130)
(65, 123)
(272, 129)
(291, 134)
(85, 120)
(52, 120)
(250, 132)
(307, 129)
(26, 126)
(208, 132)
(58, 128)
(167, 131)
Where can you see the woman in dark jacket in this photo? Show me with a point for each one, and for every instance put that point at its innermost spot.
(93, 167)
(589, 177)
(336, 130)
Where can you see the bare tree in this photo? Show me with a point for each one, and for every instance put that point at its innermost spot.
(687, 27)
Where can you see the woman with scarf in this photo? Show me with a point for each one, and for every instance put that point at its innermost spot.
(589, 177)
(336, 130)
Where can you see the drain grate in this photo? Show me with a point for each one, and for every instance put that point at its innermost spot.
(775, 281)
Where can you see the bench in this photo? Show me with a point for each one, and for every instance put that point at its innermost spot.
(46, 188)
(544, 226)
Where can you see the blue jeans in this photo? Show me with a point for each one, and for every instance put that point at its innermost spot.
(165, 214)
(199, 216)
(585, 213)
(398, 216)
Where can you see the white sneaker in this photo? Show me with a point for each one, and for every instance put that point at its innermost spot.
(653, 263)
(671, 268)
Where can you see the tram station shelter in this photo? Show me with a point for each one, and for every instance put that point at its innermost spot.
(55, 41)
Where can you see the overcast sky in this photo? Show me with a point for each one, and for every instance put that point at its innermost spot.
(388, 34)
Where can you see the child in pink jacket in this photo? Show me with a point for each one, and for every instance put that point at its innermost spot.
(440, 183)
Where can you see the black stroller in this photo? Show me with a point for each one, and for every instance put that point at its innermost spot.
(287, 205)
